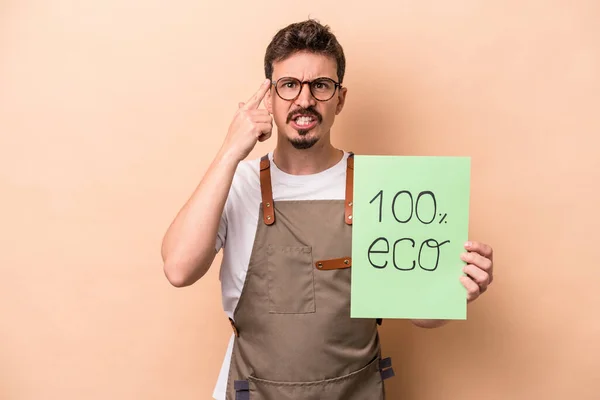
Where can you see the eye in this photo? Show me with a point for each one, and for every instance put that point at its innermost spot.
(288, 84)
(322, 85)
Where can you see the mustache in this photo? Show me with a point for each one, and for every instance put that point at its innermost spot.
(305, 111)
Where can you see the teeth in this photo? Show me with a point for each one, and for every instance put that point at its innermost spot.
(304, 120)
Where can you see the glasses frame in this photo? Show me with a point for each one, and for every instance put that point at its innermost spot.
(337, 86)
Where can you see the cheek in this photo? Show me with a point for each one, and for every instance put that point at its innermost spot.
(278, 110)
(328, 112)
(279, 115)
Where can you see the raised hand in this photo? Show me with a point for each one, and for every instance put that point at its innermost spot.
(250, 125)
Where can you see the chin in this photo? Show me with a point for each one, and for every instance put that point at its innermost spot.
(303, 140)
(303, 144)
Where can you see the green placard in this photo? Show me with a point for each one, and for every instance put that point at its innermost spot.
(410, 223)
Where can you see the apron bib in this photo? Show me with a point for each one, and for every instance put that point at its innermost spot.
(294, 338)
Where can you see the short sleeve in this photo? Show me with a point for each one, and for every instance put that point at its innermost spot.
(237, 192)
(222, 232)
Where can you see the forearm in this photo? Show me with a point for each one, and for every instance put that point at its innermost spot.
(188, 248)
(429, 323)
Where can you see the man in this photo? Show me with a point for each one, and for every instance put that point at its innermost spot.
(285, 224)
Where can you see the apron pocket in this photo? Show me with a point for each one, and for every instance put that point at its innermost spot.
(291, 281)
(364, 384)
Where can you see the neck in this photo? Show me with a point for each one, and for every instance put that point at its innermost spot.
(307, 161)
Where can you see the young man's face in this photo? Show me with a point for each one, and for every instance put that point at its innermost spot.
(304, 120)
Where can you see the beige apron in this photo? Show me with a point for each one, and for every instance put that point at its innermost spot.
(294, 338)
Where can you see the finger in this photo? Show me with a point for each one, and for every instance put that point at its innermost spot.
(265, 119)
(255, 100)
(480, 248)
(264, 137)
(482, 262)
(259, 111)
(472, 288)
(264, 128)
(480, 277)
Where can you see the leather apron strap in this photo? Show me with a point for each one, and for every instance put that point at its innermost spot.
(349, 188)
(266, 190)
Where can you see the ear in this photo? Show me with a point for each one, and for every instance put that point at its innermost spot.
(268, 100)
(341, 100)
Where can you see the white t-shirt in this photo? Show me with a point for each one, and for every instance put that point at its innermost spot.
(239, 222)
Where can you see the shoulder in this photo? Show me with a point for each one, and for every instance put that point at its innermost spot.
(247, 173)
(245, 186)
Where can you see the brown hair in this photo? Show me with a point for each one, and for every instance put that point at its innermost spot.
(307, 35)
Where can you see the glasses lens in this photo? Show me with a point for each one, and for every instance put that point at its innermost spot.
(323, 88)
(288, 88)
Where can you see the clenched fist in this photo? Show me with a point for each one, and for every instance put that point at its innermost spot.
(250, 125)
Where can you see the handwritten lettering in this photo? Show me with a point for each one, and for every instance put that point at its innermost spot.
(404, 207)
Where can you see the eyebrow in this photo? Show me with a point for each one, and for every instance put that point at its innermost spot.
(314, 79)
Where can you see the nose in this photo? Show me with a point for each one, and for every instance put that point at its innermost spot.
(305, 98)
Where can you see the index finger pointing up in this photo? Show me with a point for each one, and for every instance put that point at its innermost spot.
(255, 100)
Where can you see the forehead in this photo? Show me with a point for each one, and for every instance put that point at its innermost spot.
(305, 65)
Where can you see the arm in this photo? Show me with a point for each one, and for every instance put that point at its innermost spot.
(188, 247)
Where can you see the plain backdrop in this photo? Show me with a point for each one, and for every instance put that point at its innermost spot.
(111, 111)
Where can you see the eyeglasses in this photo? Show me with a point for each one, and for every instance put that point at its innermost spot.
(289, 89)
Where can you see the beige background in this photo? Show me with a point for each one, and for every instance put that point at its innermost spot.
(110, 111)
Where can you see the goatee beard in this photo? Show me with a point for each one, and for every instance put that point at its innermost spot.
(303, 142)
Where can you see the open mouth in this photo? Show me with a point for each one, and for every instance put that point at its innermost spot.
(304, 121)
